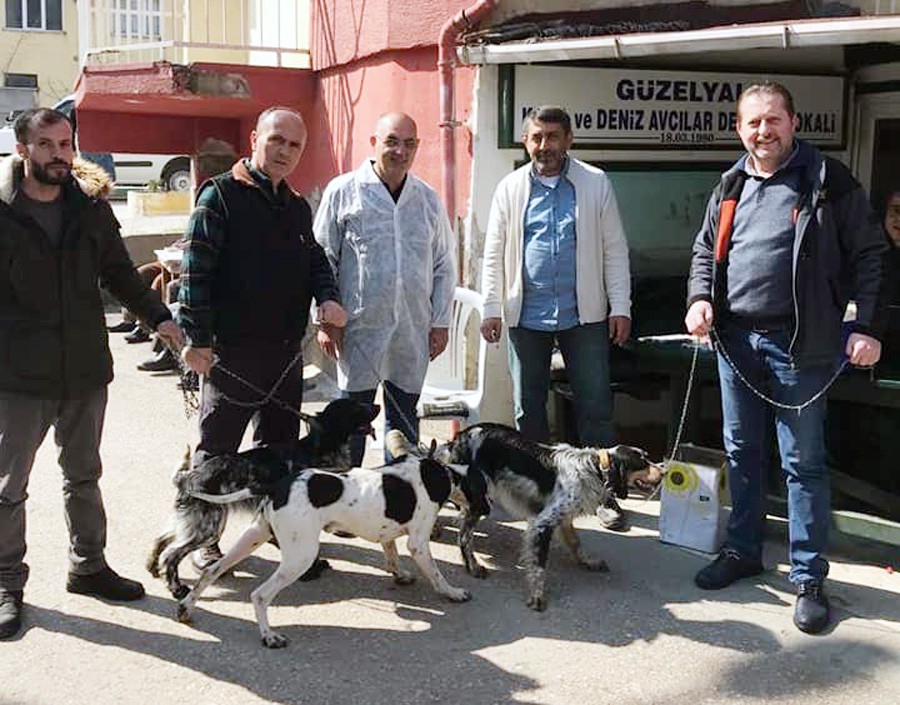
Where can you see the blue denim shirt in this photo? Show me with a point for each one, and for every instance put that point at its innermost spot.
(549, 302)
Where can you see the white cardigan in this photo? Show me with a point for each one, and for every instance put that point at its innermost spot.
(602, 275)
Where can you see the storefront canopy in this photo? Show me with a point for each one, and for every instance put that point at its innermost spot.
(770, 35)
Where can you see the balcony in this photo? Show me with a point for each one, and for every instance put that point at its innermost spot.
(246, 32)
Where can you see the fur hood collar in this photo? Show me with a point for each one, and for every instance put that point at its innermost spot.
(91, 179)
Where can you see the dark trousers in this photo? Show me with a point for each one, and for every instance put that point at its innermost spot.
(399, 413)
(78, 425)
(227, 405)
(585, 349)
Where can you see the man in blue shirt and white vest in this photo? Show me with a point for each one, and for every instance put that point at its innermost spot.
(556, 270)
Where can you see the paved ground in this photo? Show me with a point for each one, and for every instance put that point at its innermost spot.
(640, 634)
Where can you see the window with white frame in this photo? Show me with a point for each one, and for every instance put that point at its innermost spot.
(34, 14)
(136, 19)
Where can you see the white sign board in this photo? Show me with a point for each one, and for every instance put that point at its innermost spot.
(683, 109)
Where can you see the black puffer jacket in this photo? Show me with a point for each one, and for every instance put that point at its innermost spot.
(839, 254)
(53, 340)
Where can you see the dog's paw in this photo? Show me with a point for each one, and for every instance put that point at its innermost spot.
(476, 570)
(459, 595)
(185, 614)
(404, 578)
(538, 603)
(274, 640)
(594, 564)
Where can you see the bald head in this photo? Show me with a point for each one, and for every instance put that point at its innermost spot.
(390, 122)
(278, 142)
(395, 142)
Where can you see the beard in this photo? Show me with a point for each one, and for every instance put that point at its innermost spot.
(43, 174)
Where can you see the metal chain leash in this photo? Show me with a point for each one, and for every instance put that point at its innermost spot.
(192, 399)
(687, 400)
(265, 397)
(773, 402)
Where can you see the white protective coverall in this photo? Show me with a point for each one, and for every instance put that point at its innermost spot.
(395, 265)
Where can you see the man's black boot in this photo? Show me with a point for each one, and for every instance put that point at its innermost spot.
(728, 567)
(10, 613)
(811, 613)
(164, 362)
(138, 335)
(105, 583)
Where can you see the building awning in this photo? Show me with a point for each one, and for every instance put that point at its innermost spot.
(792, 34)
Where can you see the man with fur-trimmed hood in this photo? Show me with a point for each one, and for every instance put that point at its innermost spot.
(58, 239)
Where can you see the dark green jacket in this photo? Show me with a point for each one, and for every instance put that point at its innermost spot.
(53, 340)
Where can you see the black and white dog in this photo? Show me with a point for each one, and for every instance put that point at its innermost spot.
(378, 505)
(547, 485)
(198, 524)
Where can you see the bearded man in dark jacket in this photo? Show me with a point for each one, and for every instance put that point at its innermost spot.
(58, 240)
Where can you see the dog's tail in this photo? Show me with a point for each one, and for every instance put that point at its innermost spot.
(229, 498)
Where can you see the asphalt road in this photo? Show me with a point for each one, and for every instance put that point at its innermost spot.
(641, 633)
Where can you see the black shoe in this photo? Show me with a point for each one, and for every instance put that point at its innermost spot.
(811, 612)
(319, 566)
(138, 335)
(164, 362)
(122, 327)
(728, 567)
(10, 613)
(106, 583)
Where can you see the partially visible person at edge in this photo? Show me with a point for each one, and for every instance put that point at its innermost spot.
(892, 228)
(788, 238)
(250, 271)
(58, 240)
(556, 270)
(390, 243)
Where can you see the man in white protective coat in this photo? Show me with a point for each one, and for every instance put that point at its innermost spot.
(390, 244)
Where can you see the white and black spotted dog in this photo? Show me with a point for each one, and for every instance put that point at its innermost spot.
(198, 524)
(378, 505)
(546, 484)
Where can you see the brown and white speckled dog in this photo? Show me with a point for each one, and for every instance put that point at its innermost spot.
(546, 484)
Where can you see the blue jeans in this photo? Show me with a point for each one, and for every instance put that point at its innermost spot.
(399, 413)
(762, 357)
(585, 349)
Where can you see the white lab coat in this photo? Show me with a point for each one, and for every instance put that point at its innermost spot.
(395, 265)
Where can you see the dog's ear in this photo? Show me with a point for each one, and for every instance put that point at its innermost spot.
(617, 475)
(432, 448)
(475, 489)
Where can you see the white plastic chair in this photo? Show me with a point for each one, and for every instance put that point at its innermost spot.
(444, 394)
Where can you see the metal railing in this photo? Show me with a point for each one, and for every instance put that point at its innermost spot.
(255, 32)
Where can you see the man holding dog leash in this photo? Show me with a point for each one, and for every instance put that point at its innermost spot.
(787, 239)
(390, 243)
(250, 271)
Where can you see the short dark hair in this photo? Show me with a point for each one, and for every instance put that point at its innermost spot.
(768, 88)
(548, 113)
(33, 118)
